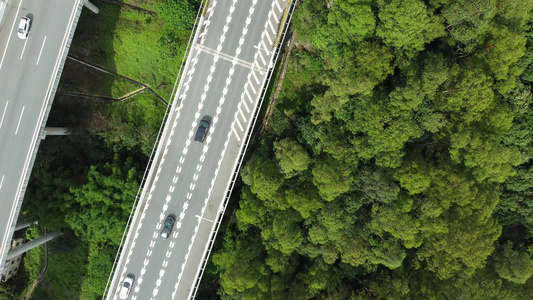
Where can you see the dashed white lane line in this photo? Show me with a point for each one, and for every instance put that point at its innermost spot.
(41, 52)
(20, 119)
(2, 182)
(23, 48)
(4, 114)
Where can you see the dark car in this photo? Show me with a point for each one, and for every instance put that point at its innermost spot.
(203, 128)
(167, 227)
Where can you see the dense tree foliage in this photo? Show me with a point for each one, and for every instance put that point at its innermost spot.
(398, 161)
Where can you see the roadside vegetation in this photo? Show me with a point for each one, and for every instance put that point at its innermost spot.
(397, 161)
(84, 184)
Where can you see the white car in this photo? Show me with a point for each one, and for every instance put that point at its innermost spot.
(24, 27)
(125, 287)
(3, 5)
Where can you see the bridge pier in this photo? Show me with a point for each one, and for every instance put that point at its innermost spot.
(22, 225)
(91, 6)
(32, 244)
(56, 131)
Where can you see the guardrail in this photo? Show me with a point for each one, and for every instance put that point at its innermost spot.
(154, 150)
(287, 16)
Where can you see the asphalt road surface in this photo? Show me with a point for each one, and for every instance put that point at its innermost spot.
(226, 71)
(28, 69)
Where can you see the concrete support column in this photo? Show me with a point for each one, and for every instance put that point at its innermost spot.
(56, 131)
(21, 225)
(32, 244)
(91, 6)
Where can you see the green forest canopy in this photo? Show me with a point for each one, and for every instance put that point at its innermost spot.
(398, 159)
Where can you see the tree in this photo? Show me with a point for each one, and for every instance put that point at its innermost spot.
(284, 234)
(305, 199)
(484, 154)
(396, 220)
(332, 179)
(461, 246)
(241, 263)
(109, 193)
(468, 22)
(407, 25)
(513, 265)
(350, 21)
(292, 157)
(265, 181)
(507, 46)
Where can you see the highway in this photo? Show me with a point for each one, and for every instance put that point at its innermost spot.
(226, 70)
(29, 71)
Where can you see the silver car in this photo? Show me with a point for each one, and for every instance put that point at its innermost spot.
(125, 287)
(167, 226)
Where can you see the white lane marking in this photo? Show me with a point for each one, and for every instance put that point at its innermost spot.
(255, 77)
(261, 57)
(20, 119)
(40, 52)
(242, 114)
(248, 95)
(239, 124)
(236, 134)
(277, 4)
(200, 217)
(23, 48)
(253, 89)
(9, 38)
(246, 106)
(4, 114)
(2, 182)
(268, 38)
(271, 26)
